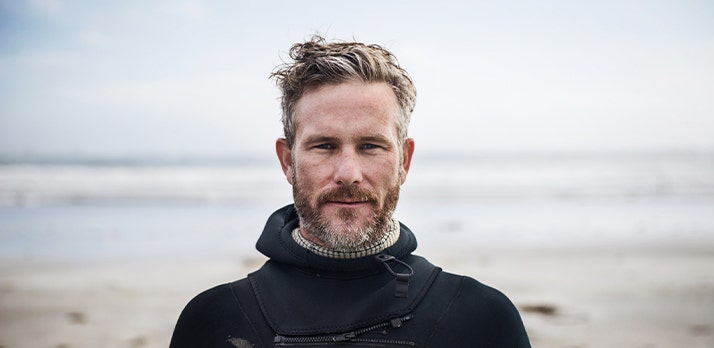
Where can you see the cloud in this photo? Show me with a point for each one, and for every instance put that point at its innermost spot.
(192, 10)
(52, 7)
(209, 95)
(93, 38)
(515, 75)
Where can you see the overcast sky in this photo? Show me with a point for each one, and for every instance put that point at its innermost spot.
(190, 78)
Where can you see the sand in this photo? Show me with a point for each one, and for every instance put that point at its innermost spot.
(656, 296)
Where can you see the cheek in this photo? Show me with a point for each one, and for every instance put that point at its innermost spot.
(308, 176)
(387, 173)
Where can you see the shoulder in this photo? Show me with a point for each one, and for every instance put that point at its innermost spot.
(479, 311)
(214, 317)
(470, 295)
(216, 301)
(475, 293)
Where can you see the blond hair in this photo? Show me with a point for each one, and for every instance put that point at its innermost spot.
(317, 63)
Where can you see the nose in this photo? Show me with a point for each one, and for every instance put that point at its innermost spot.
(348, 169)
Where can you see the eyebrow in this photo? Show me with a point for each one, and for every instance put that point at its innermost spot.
(313, 139)
(377, 138)
(316, 139)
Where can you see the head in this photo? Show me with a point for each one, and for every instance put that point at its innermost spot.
(345, 152)
(317, 63)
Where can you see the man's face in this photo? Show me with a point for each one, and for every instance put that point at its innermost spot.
(346, 164)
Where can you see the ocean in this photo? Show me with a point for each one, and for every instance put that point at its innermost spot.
(84, 211)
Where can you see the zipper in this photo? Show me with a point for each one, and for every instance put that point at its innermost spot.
(351, 336)
(401, 287)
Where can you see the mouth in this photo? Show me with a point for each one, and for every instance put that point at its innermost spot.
(348, 203)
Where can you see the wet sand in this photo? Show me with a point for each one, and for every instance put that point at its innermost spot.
(656, 296)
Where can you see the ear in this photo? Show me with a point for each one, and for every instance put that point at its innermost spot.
(285, 158)
(407, 153)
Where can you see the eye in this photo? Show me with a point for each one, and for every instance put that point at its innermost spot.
(369, 146)
(326, 146)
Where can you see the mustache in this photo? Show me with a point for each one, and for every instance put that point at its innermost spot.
(347, 193)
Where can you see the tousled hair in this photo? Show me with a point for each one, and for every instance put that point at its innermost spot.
(317, 62)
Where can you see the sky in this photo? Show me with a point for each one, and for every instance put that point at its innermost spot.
(184, 79)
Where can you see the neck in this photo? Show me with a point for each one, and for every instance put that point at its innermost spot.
(316, 246)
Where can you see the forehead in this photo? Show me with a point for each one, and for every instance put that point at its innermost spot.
(347, 106)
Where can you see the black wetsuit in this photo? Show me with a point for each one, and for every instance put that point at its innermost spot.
(394, 299)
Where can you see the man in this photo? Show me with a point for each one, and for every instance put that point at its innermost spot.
(341, 270)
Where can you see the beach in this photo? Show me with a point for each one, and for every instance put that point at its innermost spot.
(651, 297)
(595, 252)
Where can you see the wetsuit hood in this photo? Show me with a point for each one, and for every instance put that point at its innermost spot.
(355, 293)
(277, 243)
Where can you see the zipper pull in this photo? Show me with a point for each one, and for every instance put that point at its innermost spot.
(402, 279)
(397, 322)
(344, 337)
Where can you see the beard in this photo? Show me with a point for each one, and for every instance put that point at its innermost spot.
(343, 231)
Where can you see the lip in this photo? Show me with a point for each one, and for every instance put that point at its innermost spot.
(347, 203)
